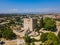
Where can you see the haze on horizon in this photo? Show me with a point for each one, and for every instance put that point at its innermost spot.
(28, 6)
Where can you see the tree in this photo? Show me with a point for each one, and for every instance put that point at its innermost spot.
(49, 39)
(59, 35)
(2, 28)
(49, 24)
(52, 36)
(37, 28)
(33, 43)
(27, 39)
(0, 34)
(8, 34)
(11, 22)
(48, 42)
(40, 25)
(19, 21)
(43, 37)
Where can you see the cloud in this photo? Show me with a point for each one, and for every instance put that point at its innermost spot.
(13, 10)
(46, 10)
(9, 11)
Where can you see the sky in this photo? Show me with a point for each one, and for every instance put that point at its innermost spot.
(29, 6)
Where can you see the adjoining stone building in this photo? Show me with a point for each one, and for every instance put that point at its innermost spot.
(30, 23)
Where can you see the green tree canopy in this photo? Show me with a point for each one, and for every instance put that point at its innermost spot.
(33, 43)
(44, 37)
(27, 38)
(49, 39)
(59, 35)
(49, 24)
(8, 34)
